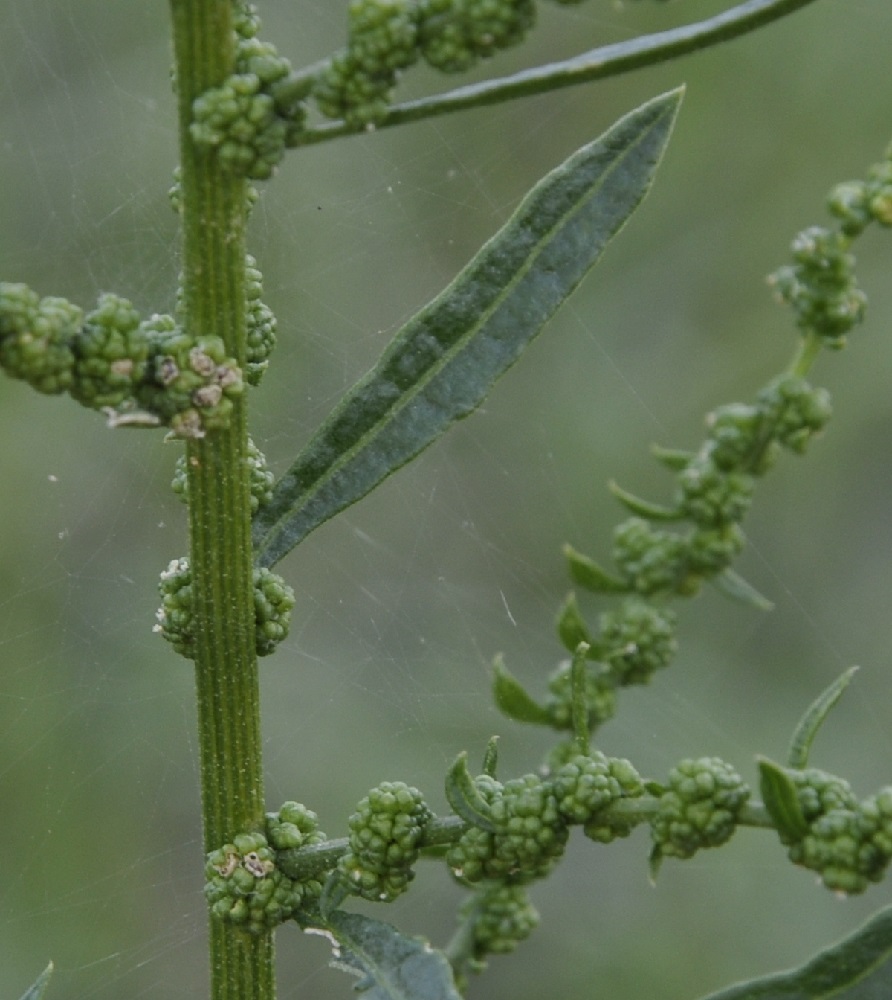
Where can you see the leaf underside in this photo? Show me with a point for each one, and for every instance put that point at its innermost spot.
(391, 965)
(857, 968)
(441, 364)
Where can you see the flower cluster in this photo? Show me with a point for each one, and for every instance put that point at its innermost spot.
(273, 604)
(139, 372)
(260, 322)
(530, 833)
(502, 917)
(698, 809)
(244, 885)
(385, 37)
(252, 117)
(587, 784)
(261, 478)
(385, 832)
(847, 842)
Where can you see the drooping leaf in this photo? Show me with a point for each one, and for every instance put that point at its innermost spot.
(585, 572)
(38, 987)
(391, 966)
(465, 798)
(441, 364)
(857, 968)
(811, 721)
(644, 508)
(780, 798)
(512, 700)
(732, 584)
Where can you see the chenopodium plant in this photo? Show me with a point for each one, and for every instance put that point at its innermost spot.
(241, 107)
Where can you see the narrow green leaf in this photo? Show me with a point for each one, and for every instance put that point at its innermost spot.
(38, 987)
(440, 366)
(512, 699)
(811, 721)
(491, 757)
(466, 801)
(857, 968)
(585, 572)
(644, 508)
(732, 584)
(781, 801)
(579, 707)
(571, 628)
(673, 458)
(391, 966)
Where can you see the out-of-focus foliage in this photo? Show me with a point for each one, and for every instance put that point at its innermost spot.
(402, 602)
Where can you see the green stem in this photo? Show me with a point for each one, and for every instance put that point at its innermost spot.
(597, 64)
(214, 214)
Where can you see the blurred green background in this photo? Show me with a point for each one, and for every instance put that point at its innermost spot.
(404, 600)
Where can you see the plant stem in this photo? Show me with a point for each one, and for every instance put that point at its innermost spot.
(214, 211)
(597, 64)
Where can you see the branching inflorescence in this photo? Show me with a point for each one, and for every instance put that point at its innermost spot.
(502, 835)
(505, 835)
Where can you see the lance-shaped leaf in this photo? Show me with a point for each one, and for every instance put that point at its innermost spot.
(512, 699)
(391, 966)
(591, 576)
(857, 968)
(781, 800)
(37, 989)
(814, 716)
(465, 798)
(441, 364)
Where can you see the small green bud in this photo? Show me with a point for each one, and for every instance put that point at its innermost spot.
(794, 411)
(711, 496)
(586, 785)
(503, 917)
(650, 560)
(110, 351)
(273, 604)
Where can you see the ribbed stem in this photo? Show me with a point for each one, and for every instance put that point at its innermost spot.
(214, 208)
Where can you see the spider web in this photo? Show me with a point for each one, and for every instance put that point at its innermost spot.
(404, 600)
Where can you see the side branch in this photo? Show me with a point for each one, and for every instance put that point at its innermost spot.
(597, 64)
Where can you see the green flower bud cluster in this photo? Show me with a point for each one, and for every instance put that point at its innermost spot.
(502, 916)
(256, 113)
(139, 372)
(699, 808)
(385, 832)
(587, 784)
(261, 478)
(244, 887)
(858, 203)
(848, 843)
(273, 603)
(821, 286)
(385, 37)
(260, 324)
(636, 640)
(381, 42)
(455, 34)
(530, 833)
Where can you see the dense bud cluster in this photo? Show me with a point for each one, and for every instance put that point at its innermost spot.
(847, 842)
(455, 34)
(273, 603)
(820, 286)
(251, 118)
(636, 640)
(699, 808)
(261, 478)
(503, 916)
(385, 37)
(244, 886)
(587, 784)
(385, 832)
(260, 322)
(138, 372)
(530, 833)
(858, 203)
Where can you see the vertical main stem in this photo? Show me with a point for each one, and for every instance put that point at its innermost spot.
(214, 214)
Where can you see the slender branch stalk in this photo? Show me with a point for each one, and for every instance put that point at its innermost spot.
(597, 64)
(214, 206)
